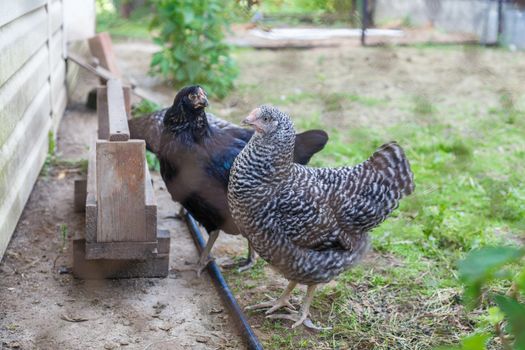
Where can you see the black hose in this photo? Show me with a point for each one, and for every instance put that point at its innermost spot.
(226, 294)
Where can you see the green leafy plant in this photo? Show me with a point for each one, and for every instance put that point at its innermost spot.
(144, 107)
(504, 322)
(193, 51)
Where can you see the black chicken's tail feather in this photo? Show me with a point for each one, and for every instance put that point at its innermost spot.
(307, 144)
(147, 128)
(390, 159)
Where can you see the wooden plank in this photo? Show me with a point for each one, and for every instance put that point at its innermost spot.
(12, 205)
(14, 152)
(163, 240)
(106, 268)
(19, 40)
(117, 117)
(80, 195)
(99, 71)
(106, 75)
(121, 250)
(59, 106)
(102, 48)
(57, 55)
(17, 93)
(56, 16)
(127, 101)
(91, 196)
(81, 50)
(102, 112)
(151, 207)
(58, 79)
(120, 191)
(10, 10)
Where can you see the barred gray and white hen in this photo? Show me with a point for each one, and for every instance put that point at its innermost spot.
(310, 224)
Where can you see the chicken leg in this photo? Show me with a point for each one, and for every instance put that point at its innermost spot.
(205, 258)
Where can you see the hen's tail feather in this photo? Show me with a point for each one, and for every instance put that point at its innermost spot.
(307, 144)
(148, 128)
(390, 160)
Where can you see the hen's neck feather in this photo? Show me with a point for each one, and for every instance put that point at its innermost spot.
(274, 151)
(178, 120)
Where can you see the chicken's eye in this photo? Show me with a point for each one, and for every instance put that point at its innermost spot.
(192, 96)
(266, 119)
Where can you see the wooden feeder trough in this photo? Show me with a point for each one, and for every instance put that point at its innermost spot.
(121, 237)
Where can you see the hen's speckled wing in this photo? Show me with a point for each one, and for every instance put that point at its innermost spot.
(326, 208)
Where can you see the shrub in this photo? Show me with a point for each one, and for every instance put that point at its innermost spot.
(193, 51)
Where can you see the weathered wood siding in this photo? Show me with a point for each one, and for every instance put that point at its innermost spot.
(32, 98)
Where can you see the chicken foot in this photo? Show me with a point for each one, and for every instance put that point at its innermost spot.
(274, 305)
(244, 264)
(303, 316)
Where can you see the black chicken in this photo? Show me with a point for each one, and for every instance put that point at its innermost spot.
(196, 152)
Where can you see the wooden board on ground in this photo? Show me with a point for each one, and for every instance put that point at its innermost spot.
(157, 266)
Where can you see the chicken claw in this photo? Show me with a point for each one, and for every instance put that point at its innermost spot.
(283, 301)
(298, 318)
(273, 306)
(244, 264)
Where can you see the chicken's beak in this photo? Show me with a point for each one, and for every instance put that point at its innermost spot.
(202, 100)
(253, 120)
(252, 117)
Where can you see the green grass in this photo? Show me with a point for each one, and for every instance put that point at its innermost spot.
(468, 165)
(134, 27)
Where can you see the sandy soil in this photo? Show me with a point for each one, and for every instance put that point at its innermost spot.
(40, 308)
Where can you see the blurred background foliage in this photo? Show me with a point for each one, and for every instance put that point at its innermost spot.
(191, 34)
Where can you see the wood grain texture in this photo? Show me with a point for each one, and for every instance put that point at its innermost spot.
(121, 250)
(18, 92)
(111, 268)
(20, 188)
(57, 46)
(19, 40)
(121, 191)
(102, 112)
(91, 196)
(32, 89)
(80, 195)
(59, 106)
(99, 71)
(102, 48)
(10, 10)
(127, 101)
(117, 116)
(15, 151)
(55, 12)
(151, 207)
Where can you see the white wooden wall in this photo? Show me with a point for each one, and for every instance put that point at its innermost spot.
(32, 98)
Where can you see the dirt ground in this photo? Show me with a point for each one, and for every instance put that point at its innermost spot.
(40, 308)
